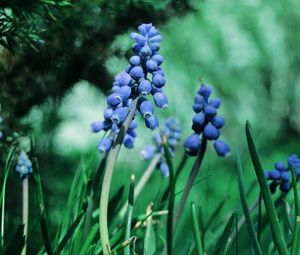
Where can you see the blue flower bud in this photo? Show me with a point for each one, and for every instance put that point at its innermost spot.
(136, 48)
(205, 91)
(160, 100)
(198, 122)
(218, 121)
(155, 39)
(128, 141)
(159, 71)
(144, 87)
(135, 60)
(197, 108)
(119, 115)
(285, 176)
(113, 100)
(142, 29)
(155, 90)
(152, 32)
(157, 139)
(151, 65)
(158, 59)
(146, 51)
(280, 166)
(274, 174)
(124, 79)
(158, 80)
(123, 93)
(285, 186)
(148, 152)
(24, 166)
(140, 39)
(133, 124)
(105, 145)
(108, 113)
(151, 122)
(146, 108)
(132, 132)
(198, 99)
(216, 102)
(192, 144)
(164, 169)
(97, 126)
(211, 132)
(136, 72)
(210, 110)
(221, 148)
(154, 47)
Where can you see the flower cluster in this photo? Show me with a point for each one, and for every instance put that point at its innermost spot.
(24, 165)
(207, 123)
(281, 174)
(142, 77)
(171, 131)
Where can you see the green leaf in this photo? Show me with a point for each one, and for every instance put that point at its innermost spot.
(266, 195)
(296, 196)
(69, 233)
(41, 206)
(17, 243)
(196, 230)
(245, 207)
(296, 239)
(149, 240)
(89, 239)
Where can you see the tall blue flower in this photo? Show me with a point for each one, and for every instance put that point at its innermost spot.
(206, 123)
(24, 165)
(281, 174)
(142, 77)
(171, 130)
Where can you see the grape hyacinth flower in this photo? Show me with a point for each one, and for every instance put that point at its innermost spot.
(171, 130)
(281, 174)
(142, 77)
(24, 165)
(206, 123)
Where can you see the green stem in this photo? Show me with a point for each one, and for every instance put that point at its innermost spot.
(111, 162)
(196, 230)
(296, 196)
(25, 206)
(296, 241)
(190, 181)
(180, 166)
(259, 224)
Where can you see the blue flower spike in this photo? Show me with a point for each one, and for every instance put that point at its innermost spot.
(142, 77)
(206, 123)
(171, 131)
(281, 176)
(24, 165)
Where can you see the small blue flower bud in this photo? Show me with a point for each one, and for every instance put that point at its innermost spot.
(164, 169)
(24, 166)
(140, 39)
(158, 80)
(148, 152)
(128, 69)
(205, 91)
(136, 48)
(274, 174)
(158, 59)
(285, 186)
(198, 99)
(146, 51)
(114, 128)
(155, 39)
(133, 124)
(199, 120)
(151, 122)
(113, 100)
(97, 126)
(197, 108)
(146, 108)
(211, 132)
(154, 47)
(221, 148)
(155, 90)
(216, 102)
(123, 93)
(144, 87)
(108, 113)
(136, 72)
(192, 144)
(285, 176)
(160, 100)
(105, 145)
(159, 71)
(135, 60)
(151, 65)
(280, 166)
(157, 139)
(152, 32)
(128, 141)
(119, 115)
(218, 121)
(210, 110)
(132, 132)
(124, 79)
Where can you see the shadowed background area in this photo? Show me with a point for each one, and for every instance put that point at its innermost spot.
(54, 85)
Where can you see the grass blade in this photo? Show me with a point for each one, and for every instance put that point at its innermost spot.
(89, 239)
(149, 240)
(266, 195)
(296, 196)
(41, 206)
(17, 243)
(196, 230)
(245, 207)
(171, 198)
(296, 239)
(69, 233)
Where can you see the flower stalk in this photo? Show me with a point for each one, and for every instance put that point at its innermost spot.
(25, 209)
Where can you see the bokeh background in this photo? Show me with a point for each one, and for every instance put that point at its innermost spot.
(58, 62)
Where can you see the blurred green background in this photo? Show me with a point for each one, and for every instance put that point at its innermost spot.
(54, 86)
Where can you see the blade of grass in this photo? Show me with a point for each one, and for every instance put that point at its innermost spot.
(41, 206)
(69, 233)
(17, 243)
(296, 240)
(266, 194)
(245, 207)
(2, 195)
(149, 240)
(89, 239)
(296, 196)
(259, 220)
(171, 198)
(196, 230)
(129, 214)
